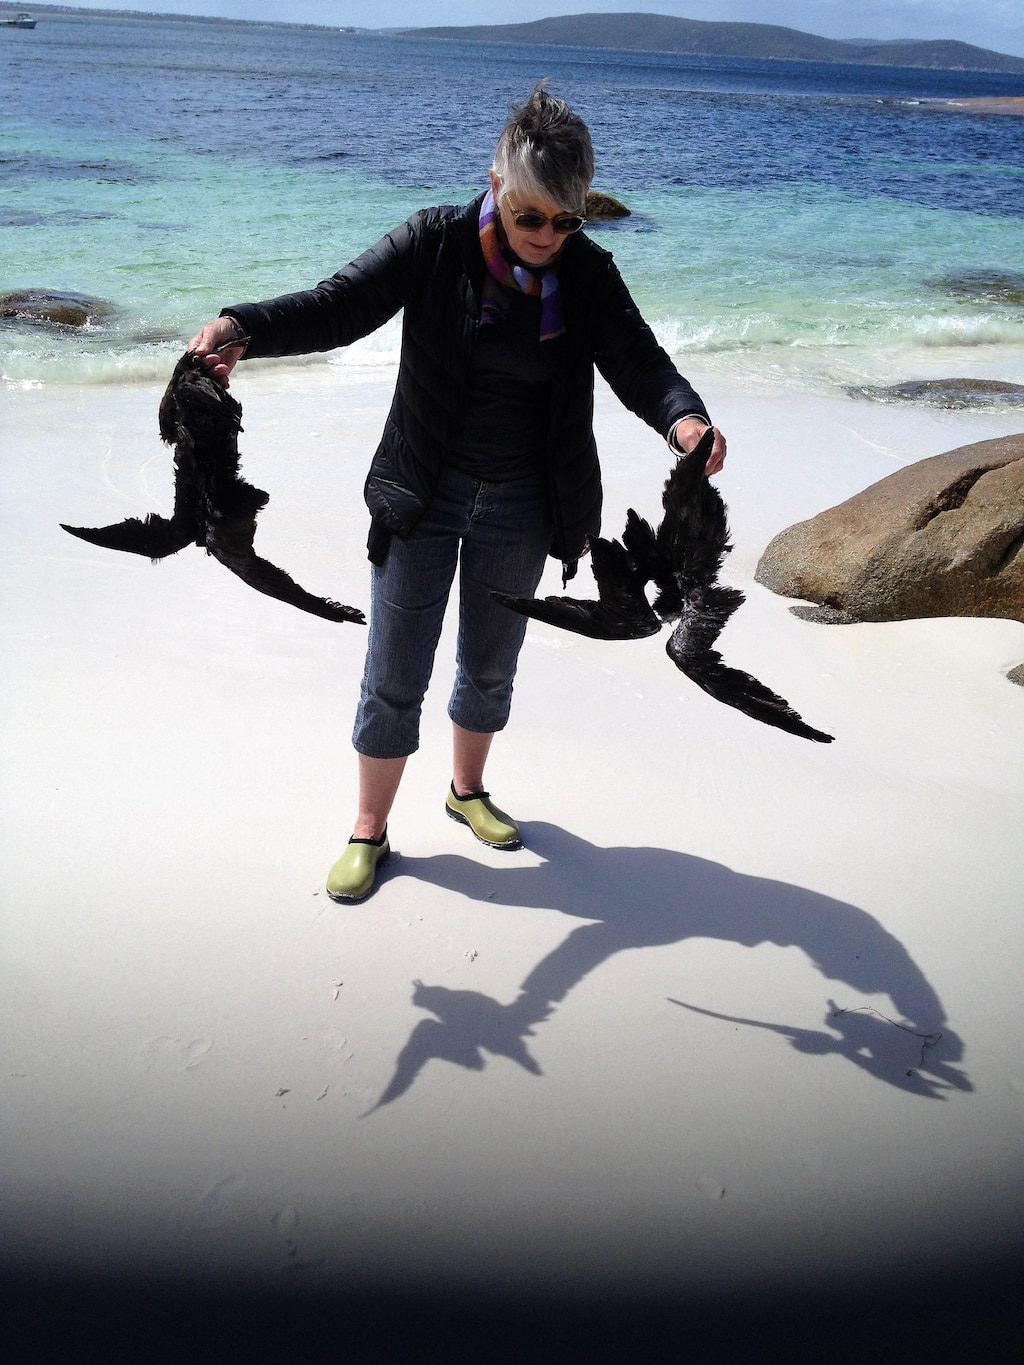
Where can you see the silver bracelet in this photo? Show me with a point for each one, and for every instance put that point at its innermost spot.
(240, 338)
(673, 443)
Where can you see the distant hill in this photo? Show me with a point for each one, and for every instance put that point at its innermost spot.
(694, 37)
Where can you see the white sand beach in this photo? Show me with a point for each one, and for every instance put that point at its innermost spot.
(742, 1015)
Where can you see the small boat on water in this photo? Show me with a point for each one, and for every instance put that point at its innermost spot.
(19, 21)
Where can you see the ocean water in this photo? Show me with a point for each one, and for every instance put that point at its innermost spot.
(793, 224)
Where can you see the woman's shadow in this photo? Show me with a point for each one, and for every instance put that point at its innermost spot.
(652, 897)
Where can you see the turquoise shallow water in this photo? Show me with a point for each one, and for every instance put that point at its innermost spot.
(792, 224)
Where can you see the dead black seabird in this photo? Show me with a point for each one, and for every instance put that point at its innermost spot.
(682, 558)
(213, 505)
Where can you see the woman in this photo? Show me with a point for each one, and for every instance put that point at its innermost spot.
(488, 459)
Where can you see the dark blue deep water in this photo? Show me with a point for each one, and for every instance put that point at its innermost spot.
(171, 165)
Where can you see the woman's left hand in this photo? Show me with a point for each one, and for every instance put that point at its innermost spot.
(688, 431)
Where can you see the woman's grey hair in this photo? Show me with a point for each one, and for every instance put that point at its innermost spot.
(545, 150)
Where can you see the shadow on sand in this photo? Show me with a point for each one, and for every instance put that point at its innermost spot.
(653, 897)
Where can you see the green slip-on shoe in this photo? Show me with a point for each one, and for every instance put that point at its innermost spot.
(490, 825)
(353, 876)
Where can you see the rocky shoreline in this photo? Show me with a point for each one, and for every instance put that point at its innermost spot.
(941, 537)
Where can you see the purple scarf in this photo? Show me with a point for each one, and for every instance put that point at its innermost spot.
(506, 272)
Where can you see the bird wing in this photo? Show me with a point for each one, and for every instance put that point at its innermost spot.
(155, 536)
(622, 611)
(267, 578)
(693, 538)
(689, 650)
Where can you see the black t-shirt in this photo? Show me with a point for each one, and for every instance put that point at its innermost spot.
(505, 418)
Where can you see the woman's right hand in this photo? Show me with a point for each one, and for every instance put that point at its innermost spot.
(220, 345)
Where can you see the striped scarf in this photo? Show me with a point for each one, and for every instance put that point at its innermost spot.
(506, 272)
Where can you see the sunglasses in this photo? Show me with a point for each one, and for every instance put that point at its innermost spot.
(531, 220)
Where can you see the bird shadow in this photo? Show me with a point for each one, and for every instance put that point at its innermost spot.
(635, 898)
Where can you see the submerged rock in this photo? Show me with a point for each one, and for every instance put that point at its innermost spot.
(945, 393)
(601, 207)
(942, 537)
(21, 218)
(983, 286)
(58, 308)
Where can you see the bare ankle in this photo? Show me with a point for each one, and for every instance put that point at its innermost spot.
(369, 828)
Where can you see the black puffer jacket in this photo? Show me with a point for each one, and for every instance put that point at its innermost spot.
(432, 266)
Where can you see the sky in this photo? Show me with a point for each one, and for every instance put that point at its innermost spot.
(996, 24)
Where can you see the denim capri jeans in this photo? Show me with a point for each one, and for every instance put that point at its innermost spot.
(498, 535)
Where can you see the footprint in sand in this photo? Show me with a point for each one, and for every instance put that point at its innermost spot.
(220, 1202)
(176, 1053)
(711, 1188)
(286, 1223)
